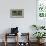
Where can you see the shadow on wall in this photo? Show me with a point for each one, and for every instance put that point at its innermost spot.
(8, 30)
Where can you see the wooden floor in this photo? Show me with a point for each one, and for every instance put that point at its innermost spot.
(13, 44)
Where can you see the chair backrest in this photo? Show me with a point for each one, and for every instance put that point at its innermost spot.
(14, 30)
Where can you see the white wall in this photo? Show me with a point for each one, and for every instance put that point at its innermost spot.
(24, 24)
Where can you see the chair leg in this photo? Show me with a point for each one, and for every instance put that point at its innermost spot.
(5, 43)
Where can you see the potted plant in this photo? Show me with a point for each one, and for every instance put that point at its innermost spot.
(42, 27)
(39, 35)
(35, 26)
(38, 27)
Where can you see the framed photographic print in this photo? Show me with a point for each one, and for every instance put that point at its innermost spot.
(17, 13)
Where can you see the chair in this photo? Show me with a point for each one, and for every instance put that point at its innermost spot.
(7, 35)
(26, 41)
(14, 32)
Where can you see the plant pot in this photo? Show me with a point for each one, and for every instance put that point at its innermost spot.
(40, 41)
